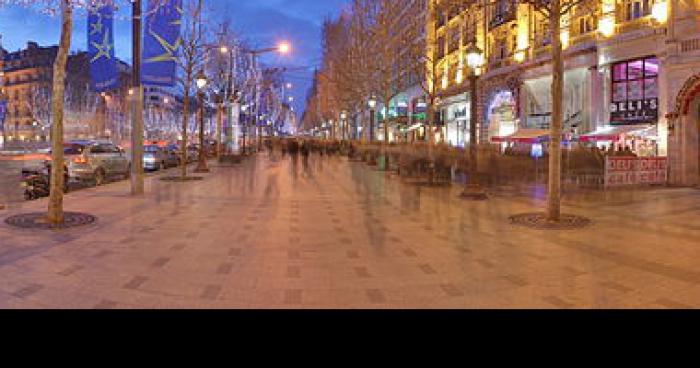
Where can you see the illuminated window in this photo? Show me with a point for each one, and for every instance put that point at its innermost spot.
(635, 9)
(635, 90)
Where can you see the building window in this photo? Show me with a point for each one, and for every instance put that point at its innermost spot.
(635, 91)
(635, 9)
(587, 24)
(502, 11)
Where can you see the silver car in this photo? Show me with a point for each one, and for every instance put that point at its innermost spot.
(95, 161)
(158, 158)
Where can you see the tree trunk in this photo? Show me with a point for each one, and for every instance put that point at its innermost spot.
(219, 125)
(137, 174)
(386, 135)
(55, 212)
(185, 121)
(473, 140)
(554, 198)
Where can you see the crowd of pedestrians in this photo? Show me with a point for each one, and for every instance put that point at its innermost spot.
(306, 147)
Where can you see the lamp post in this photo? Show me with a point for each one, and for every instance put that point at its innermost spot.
(372, 104)
(230, 98)
(202, 82)
(283, 48)
(475, 61)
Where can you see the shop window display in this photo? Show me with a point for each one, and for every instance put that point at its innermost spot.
(635, 92)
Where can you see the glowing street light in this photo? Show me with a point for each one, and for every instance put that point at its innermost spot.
(284, 48)
(201, 80)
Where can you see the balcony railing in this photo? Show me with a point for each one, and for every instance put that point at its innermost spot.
(634, 25)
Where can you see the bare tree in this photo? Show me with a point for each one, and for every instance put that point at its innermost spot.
(555, 10)
(190, 60)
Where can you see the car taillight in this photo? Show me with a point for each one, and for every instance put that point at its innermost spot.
(80, 160)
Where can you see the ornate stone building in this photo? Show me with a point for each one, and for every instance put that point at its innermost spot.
(27, 79)
(632, 73)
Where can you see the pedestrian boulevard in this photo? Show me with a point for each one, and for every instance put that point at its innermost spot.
(281, 232)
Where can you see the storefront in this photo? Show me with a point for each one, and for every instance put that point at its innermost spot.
(537, 101)
(635, 92)
(641, 140)
(633, 111)
(502, 114)
(416, 124)
(455, 115)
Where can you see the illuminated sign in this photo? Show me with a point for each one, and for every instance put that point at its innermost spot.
(639, 111)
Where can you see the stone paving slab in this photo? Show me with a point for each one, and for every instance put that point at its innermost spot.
(269, 234)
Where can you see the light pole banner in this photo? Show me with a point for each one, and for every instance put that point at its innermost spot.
(161, 42)
(3, 113)
(103, 64)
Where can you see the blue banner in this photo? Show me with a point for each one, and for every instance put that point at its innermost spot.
(103, 64)
(161, 42)
(3, 114)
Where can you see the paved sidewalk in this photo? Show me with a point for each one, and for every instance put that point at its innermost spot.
(333, 234)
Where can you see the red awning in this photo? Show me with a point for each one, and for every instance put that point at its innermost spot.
(524, 136)
(612, 133)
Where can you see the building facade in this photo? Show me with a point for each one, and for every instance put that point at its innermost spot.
(27, 80)
(407, 108)
(631, 73)
(3, 97)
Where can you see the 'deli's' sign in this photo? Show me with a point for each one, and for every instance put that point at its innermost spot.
(634, 111)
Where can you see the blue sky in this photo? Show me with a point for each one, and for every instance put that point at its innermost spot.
(263, 22)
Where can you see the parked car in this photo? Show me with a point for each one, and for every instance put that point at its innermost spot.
(159, 158)
(191, 152)
(94, 161)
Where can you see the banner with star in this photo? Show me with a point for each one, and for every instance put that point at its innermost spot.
(3, 114)
(161, 42)
(103, 65)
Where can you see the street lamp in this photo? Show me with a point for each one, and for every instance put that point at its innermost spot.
(201, 80)
(475, 61)
(372, 104)
(284, 48)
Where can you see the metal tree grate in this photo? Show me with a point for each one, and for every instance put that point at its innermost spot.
(39, 221)
(539, 221)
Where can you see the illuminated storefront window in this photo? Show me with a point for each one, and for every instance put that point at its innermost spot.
(502, 114)
(635, 92)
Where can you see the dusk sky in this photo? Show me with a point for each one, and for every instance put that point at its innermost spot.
(262, 22)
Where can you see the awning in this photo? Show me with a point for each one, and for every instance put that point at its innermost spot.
(524, 136)
(614, 133)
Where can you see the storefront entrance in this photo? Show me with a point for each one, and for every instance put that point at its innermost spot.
(502, 114)
(685, 153)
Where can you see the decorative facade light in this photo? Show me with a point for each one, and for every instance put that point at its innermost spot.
(606, 24)
(659, 12)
